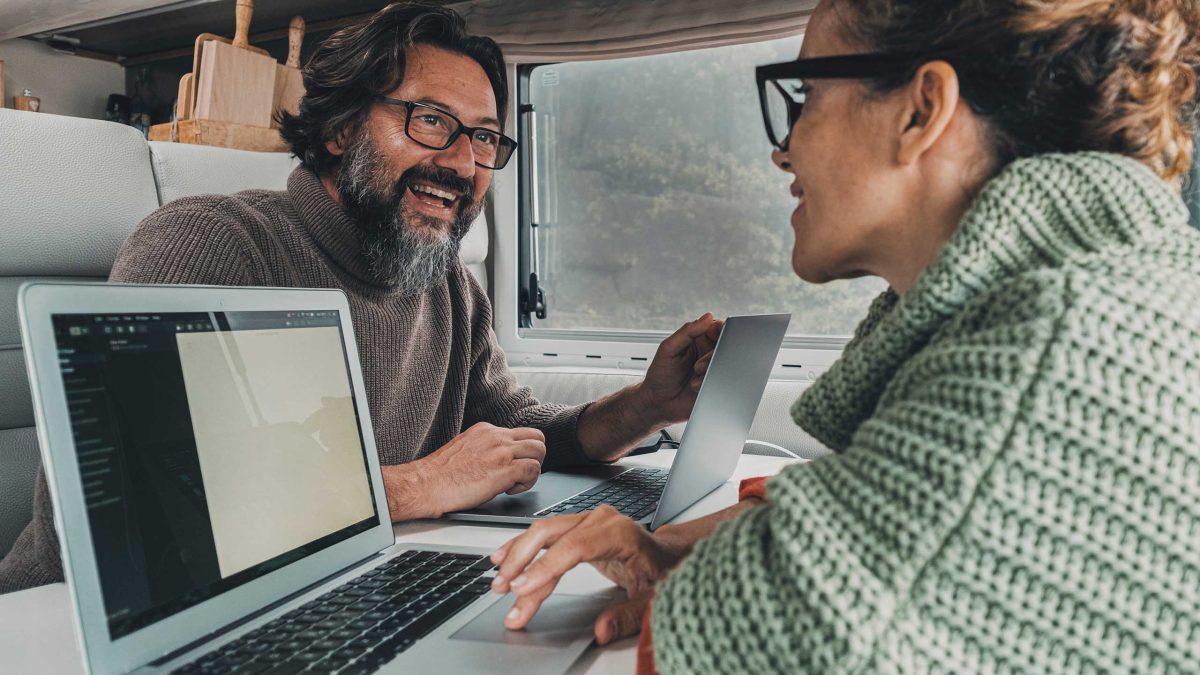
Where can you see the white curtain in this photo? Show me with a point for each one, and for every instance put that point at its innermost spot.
(542, 31)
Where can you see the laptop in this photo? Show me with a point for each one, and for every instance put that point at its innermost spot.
(708, 452)
(219, 499)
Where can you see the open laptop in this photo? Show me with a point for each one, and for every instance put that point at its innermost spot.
(708, 451)
(219, 499)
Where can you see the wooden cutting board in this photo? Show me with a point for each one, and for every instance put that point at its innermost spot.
(186, 102)
(289, 83)
(235, 84)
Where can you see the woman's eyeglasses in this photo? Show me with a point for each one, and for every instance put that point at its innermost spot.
(437, 130)
(782, 89)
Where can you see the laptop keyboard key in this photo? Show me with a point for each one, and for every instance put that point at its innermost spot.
(287, 668)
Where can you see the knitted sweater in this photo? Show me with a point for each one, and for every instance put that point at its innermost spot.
(1017, 460)
(430, 363)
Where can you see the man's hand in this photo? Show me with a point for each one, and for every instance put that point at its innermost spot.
(678, 368)
(618, 547)
(475, 466)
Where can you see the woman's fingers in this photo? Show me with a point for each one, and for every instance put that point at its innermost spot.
(594, 538)
(527, 605)
(516, 555)
(622, 618)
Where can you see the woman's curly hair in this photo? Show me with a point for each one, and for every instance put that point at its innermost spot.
(1057, 75)
(362, 61)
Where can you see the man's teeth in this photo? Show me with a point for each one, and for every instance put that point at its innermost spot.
(434, 191)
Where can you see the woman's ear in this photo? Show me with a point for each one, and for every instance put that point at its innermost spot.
(930, 102)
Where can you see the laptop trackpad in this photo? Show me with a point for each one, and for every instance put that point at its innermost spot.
(561, 622)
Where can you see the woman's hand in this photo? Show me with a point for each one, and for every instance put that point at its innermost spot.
(619, 548)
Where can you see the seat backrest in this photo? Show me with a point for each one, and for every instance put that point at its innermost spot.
(182, 170)
(71, 191)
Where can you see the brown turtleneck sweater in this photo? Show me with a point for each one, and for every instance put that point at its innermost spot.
(431, 363)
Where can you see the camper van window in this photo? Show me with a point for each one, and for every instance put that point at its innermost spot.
(657, 199)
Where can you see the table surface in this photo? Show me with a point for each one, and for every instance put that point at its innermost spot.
(37, 631)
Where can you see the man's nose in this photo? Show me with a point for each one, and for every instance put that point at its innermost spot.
(780, 158)
(459, 157)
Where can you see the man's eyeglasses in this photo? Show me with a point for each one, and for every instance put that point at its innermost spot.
(782, 88)
(437, 130)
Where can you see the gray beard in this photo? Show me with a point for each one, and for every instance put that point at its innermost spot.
(398, 250)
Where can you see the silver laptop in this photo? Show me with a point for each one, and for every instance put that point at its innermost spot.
(708, 451)
(219, 499)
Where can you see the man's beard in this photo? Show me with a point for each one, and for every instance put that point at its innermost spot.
(405, 249)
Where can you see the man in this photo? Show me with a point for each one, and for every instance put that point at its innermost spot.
(398, 134)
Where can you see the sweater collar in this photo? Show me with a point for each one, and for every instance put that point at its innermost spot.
(330, 227)
(1039, 213)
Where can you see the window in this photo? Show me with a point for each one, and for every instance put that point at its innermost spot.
(657, 199)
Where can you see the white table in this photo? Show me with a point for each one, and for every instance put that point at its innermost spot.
(37, 634)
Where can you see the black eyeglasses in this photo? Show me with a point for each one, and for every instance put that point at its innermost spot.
(782, 90)
(437, 130)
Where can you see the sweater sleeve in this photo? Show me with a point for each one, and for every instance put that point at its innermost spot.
(811, 581)
(494, 396)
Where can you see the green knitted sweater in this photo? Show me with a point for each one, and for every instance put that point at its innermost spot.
(1016, 484)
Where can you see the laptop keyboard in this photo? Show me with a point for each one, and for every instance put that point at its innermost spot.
(634, 493)
(361, 625)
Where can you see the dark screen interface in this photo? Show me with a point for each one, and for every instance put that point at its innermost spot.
(175, 418)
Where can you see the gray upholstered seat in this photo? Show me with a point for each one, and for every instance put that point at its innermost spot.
(71, 191)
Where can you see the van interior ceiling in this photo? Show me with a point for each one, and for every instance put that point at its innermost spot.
(640, 195)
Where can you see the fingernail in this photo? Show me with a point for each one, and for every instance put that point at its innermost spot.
(498, 581)
(513, 614)
(519, 581)
(497, 556)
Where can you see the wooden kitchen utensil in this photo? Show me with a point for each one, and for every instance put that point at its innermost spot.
(289, 83)
(235, 84)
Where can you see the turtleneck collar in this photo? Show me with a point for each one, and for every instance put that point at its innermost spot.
(331, 227)
(1039, 213)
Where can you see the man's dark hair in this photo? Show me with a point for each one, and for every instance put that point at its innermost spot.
(362, 61)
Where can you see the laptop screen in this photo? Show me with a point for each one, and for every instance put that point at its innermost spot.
(213, 448)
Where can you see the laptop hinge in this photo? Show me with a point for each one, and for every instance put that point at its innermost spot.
(230, 627)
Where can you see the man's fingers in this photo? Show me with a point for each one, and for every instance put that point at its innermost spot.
(621, 619)
(702, 364)
(524, 472)
(527, 433)
(529, 449)
(681, 340)
(519, 488)
(522, 549)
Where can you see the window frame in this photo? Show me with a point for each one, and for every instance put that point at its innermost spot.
(801, 358)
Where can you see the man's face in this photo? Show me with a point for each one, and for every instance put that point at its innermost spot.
(385, 178)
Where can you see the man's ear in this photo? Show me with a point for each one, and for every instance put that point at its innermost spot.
(930, 101)
(334, 146)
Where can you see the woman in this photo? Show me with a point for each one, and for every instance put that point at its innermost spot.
(1016, 423)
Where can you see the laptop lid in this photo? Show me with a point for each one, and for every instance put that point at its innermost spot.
(725, 406)
(208, 450)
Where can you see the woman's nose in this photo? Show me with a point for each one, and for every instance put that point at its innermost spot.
(780, 158)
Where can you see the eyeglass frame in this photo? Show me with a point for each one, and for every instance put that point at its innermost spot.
(462, 128)
(848, 66)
